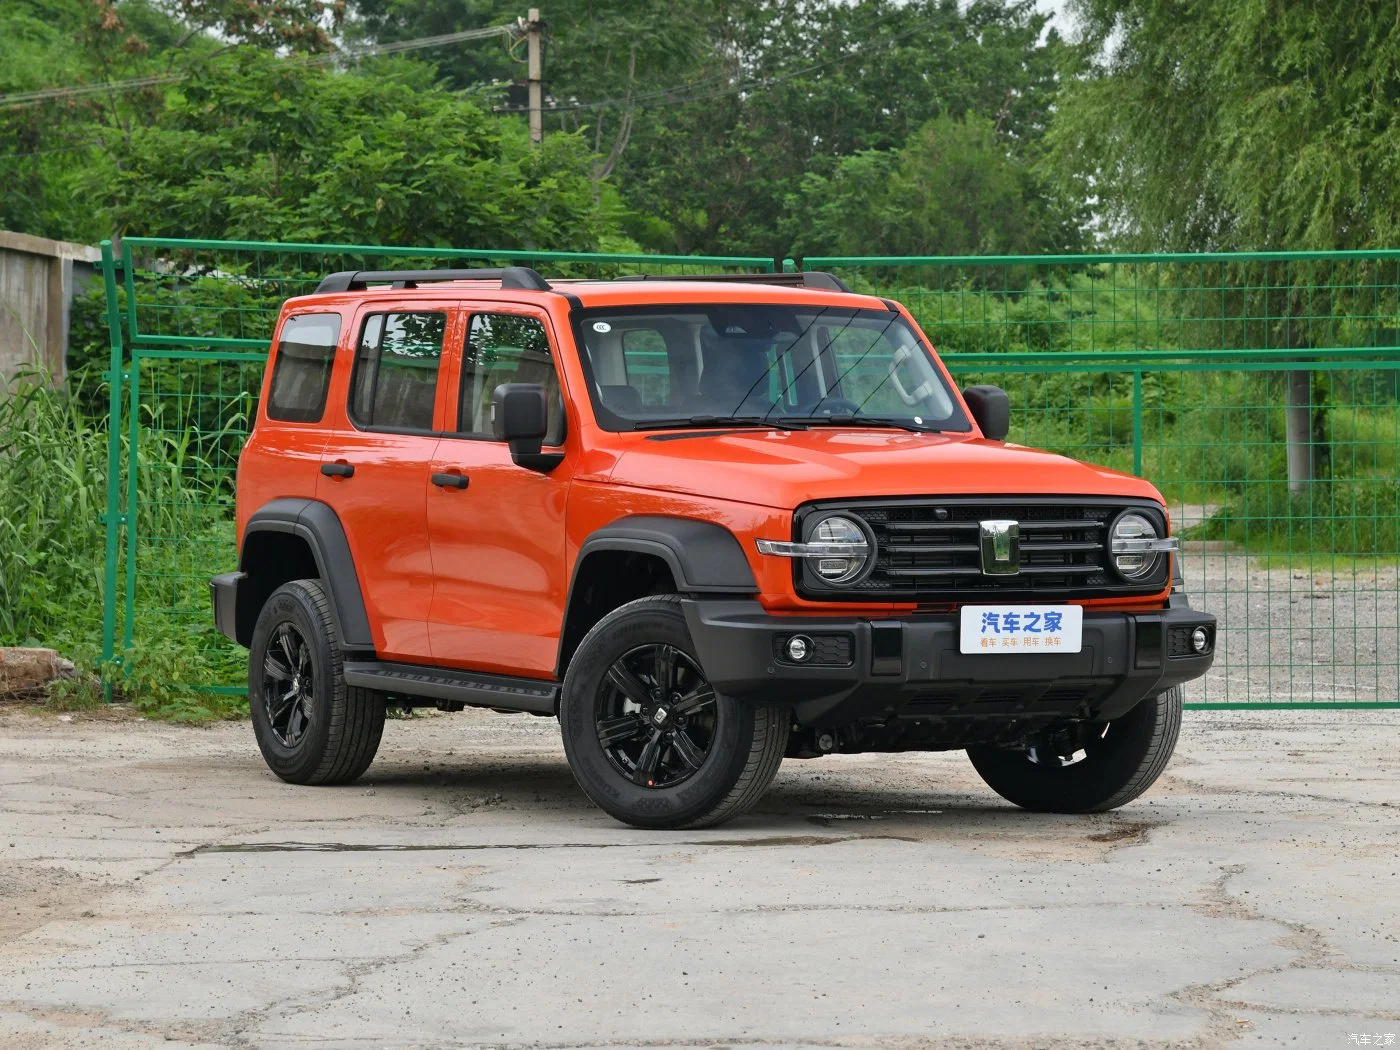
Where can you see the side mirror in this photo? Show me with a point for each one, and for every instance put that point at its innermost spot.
(520, 417)
(991, 408)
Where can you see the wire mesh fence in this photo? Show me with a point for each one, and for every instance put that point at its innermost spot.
(1259, 392)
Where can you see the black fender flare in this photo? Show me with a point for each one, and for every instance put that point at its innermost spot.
(319, 525)
(704, 558)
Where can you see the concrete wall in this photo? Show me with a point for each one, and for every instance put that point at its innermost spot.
(38, 278)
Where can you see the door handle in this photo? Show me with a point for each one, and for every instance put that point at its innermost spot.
(338, 470)
(451, 481)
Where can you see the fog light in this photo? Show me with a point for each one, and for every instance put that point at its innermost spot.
(799, 647)
(1199, 639)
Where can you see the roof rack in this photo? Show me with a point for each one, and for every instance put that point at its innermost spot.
(517, 277)
(807, 279)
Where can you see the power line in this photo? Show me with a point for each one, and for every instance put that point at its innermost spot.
(29, 98)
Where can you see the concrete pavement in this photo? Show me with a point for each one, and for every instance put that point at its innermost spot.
(159, 887)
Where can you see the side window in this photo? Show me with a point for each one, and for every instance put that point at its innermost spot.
(396, 370)
(506, 348)
(301, 374)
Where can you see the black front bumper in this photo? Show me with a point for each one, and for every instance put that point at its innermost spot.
(911, 668)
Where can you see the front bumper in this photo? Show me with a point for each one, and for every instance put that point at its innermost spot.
(910, 668)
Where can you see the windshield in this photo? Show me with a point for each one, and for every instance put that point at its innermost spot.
(759, 365)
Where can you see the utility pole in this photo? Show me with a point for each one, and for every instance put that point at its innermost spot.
(532, 30)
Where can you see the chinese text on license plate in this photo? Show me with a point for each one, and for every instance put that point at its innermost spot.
(1021, 628)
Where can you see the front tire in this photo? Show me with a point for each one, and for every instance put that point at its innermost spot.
(310, 726)
(1122, 759)
(647, 737)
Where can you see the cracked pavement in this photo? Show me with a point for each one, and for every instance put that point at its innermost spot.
(159, 887)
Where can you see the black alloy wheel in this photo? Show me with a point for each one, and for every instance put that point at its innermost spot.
(311, 727)
(656, 716)
(288, 681)
(649, 738)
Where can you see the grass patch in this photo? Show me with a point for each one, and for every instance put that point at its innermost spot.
(1346, 517)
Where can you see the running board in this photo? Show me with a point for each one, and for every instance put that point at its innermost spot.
(475, 688)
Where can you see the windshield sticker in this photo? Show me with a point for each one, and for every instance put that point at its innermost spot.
(602, 326)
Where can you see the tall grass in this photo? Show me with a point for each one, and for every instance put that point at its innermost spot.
(53, 494)
(53, 491)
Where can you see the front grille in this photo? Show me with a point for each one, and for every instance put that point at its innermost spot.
(928, 551)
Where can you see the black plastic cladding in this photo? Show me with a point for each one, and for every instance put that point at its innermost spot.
(974, 587)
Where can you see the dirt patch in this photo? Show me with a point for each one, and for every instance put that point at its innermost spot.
(1128, 833)
(32, 895)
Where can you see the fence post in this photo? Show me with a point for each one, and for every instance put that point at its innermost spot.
(113, 518)
(1137, 423)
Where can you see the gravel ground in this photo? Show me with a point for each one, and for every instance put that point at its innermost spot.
(159, 888)
(1314, 630)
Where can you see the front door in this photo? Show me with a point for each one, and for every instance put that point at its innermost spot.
(375, 469)
(497, 530)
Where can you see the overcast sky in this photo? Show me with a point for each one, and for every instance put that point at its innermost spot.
(1059, 11)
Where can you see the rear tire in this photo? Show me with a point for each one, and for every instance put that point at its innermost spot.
(1118, 766)
(676, 754)
(310, 727)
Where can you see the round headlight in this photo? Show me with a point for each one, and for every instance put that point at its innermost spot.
(1132, 538)
(840, 569)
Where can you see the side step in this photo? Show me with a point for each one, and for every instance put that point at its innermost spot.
(474, 688)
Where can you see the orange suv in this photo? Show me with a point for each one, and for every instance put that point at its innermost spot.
(706, 523)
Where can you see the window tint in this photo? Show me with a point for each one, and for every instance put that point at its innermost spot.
(506, 348)
(396, 370)
(301, 374)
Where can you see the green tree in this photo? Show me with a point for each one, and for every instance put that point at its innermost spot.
(255, 147)
(954, 189)
(1238, 124)
(793, 87)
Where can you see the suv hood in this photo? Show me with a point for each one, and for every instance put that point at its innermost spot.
(786, 468)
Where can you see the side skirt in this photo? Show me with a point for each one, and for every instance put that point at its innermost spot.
(472, 688)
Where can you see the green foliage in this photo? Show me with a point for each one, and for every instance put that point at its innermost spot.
(52, 497)
(258, 148)
(53, 494)
(955, 185)
(1343, 516)
(1239, 124)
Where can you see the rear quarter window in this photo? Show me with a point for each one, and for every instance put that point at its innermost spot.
(301, 371)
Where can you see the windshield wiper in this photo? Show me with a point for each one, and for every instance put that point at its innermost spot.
(865, 421)
(721, 421)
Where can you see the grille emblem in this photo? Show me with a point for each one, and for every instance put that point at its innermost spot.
(1001, 547)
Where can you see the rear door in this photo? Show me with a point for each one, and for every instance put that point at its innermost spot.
(497, 530)
(375, 468)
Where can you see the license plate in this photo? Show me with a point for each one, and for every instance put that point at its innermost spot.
(1021, 628)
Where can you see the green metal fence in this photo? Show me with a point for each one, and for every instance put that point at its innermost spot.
(1218, 377)
(190, 322)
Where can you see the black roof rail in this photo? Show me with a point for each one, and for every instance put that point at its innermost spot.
(518, 277)
(807, 279)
